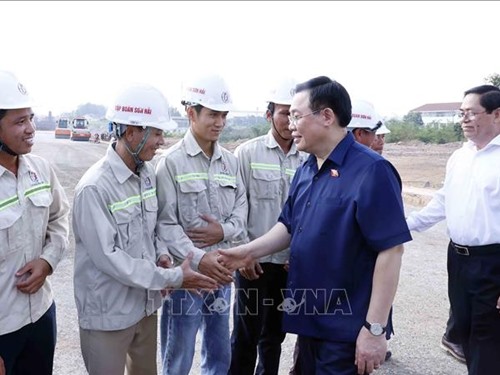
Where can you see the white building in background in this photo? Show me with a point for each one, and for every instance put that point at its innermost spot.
(441, 113)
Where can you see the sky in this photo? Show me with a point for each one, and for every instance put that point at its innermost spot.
(398, 55)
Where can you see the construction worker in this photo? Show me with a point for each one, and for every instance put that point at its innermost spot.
(379, 140)
(364, 123)
(202, 207)
(267, 164)
(34, 230)
(118, 276)
(345, 253)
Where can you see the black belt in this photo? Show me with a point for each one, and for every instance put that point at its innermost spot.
(475, 250)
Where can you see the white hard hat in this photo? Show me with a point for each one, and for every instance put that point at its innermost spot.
(13, 94)
(209, 91)
(140, 105)
(283, 92)
(382, 130)
(364, 116)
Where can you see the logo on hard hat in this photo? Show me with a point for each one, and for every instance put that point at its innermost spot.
(22, 89)
(292, 91)
(365, 117)
(225, 97)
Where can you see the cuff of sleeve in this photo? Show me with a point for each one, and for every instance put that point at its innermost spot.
(51, 259)
(175, 277)
(198, 254)
(410, 222)
(226, 229)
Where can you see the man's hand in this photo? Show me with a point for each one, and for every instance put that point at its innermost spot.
(370, 351)
(235, 258)
(253, 272)
(164, 261)
(33, 276)
(194, 280)
(211, 267)
(206, 236)
(286, 266)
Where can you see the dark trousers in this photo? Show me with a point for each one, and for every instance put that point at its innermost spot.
(474, 288)
(30, 350)
(321, 357)
(257, 322)
(451, 330)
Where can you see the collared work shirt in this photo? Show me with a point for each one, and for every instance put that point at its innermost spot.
(340, 217)
(266, 173)
(116, 279)
(469, 199)
(191, 184)
(33, 224)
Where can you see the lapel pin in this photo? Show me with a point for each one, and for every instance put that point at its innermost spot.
(334, 173)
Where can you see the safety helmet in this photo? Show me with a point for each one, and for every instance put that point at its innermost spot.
(382, 130)
(283, 92)
(364, 116)
(209, 91)
(140, 105)
(13, 94)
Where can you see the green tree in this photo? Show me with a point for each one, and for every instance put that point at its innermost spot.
(493, 79)
(413, 118)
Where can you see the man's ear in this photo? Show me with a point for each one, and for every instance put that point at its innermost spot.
(130, 132)
(268, 115)
(191, 113)
(330, 116)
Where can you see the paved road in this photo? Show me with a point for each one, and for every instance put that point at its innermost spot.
(420, 307)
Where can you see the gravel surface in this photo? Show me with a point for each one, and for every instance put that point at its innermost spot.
(420, 307)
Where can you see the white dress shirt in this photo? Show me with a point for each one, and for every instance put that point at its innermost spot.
(469, 199)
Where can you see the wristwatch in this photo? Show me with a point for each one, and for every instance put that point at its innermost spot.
(376, 329)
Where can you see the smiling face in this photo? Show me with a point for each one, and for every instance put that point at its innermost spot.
(153, 143)
(479, 126)
(207, 124)
(307, 131)
(17, 130)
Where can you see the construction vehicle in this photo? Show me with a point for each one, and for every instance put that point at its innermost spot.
(80, 129)
(63, 129)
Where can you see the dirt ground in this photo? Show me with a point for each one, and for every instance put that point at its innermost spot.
(420, 165)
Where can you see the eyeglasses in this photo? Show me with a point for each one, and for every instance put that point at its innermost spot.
(295, 119)
(469, 114)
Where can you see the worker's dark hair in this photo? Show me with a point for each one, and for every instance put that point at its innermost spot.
(3, 112)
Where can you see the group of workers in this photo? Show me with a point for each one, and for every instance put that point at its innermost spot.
(307, 221)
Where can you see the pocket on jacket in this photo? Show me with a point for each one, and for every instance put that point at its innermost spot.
(266, 184)
(193, 200)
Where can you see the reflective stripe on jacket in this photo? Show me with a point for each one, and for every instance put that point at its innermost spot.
(33, 224)
(116, 279)
(267, 173)
(191, 184)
